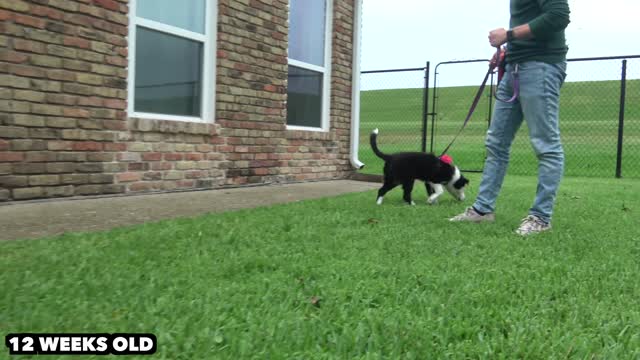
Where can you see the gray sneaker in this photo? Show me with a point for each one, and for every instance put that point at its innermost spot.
(470, 215)
(532, 225)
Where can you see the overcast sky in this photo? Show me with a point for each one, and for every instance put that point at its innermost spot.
(407, 33)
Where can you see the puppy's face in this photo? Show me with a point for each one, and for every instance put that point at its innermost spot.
(457, 185)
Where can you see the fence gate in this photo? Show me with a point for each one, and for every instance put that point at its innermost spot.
(599, 118)
(396, 102)
(450, 106)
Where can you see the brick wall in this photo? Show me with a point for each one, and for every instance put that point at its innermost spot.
(64, 129)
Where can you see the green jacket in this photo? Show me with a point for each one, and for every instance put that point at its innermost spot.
(548, 20)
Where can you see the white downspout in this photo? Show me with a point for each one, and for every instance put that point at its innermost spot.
(355, 86)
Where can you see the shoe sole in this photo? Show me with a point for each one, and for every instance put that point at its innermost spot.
(532, 232)
(474, 221)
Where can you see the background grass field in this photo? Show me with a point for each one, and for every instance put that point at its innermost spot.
(589, 128)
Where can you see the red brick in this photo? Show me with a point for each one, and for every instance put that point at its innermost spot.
(115, 103)
(153, 156)
(11, 156)
(107, 4)
(116, 60)
(270, 88)
(224, 149)
(128, 177)
(173, 156)
(193, 157)
(141, 186)
(186, 183)
(87, 146)
(27, 71)
(76, 42)
(13, 57)
(161, 166)
(43, 11)
(29, 21)
(4, 145)
(261, 171)
(115, 147)
(75, 112)
(5, 15)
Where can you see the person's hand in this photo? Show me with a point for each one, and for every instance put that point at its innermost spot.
(498, 37)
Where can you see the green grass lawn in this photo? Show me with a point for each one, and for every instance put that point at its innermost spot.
(589, 128)
(342, 278)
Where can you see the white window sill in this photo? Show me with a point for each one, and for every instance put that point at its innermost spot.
(306, 128)
(169, 117)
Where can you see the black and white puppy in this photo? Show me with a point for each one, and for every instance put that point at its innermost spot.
(406, 167)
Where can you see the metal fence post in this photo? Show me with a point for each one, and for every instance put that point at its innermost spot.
(623, 93)
(433, 106)
(425, 108)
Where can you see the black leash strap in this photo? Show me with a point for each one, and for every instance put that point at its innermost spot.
(516, 85)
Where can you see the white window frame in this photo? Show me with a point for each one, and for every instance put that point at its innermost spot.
(207, 105)
(326, 73)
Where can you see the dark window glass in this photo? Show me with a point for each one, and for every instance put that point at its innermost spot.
(168, 74)
(304, 97)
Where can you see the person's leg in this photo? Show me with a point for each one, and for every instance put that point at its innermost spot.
(540, 101)
(506, 121)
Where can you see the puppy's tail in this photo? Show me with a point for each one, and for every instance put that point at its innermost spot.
(374, 145)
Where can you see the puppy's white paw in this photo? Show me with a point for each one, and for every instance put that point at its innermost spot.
(413, 203)
(432, 201)
(379, 202)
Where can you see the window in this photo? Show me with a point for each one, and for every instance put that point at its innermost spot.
(171, 69)
(309, 64)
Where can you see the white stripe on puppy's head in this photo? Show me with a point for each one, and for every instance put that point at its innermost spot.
(456, 175)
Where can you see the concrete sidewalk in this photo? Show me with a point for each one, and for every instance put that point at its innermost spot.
(38, 219)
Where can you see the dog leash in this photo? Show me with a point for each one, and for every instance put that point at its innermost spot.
(501, 59)
(478, 96)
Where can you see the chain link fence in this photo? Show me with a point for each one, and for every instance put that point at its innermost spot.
(590, 116)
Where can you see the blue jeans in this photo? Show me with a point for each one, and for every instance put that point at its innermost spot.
(538, 104)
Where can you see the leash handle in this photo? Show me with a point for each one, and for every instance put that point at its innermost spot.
(501, 65)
